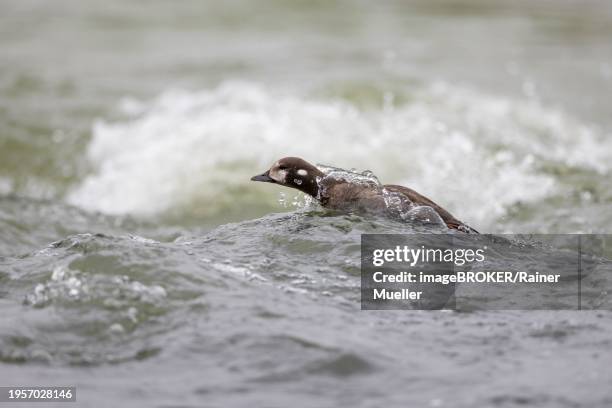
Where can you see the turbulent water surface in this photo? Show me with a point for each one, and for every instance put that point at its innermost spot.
(139, 264)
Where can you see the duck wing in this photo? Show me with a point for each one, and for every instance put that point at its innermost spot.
(418, 199)
(339, 195)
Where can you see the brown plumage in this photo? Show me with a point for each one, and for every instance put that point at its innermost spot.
(339, 194)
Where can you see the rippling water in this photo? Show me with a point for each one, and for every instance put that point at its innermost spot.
(138, 263)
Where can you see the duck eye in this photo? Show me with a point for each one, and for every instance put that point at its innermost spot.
(282, 167)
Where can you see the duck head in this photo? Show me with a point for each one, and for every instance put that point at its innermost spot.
(293, 172)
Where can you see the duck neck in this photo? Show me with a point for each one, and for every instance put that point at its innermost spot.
(310, 185)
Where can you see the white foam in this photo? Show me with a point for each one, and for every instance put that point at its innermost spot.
(472, 153)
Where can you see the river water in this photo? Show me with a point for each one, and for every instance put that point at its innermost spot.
(139, 263)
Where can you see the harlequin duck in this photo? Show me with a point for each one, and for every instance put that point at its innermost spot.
(340, 194)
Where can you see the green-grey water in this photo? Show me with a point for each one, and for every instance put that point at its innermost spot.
(139, 264)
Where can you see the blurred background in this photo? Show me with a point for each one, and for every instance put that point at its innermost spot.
(498, 110)
(139, 263)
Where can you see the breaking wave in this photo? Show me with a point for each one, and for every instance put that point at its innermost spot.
(473, 153)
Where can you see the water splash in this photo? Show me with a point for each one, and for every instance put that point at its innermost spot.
(353, 176)
(63, 284)
(67, 285)
(398, 206)
(282, 199)
(477, 155)
(298, 201)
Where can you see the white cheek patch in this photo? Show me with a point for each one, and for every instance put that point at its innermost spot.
(278, 175)
(302, 172)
